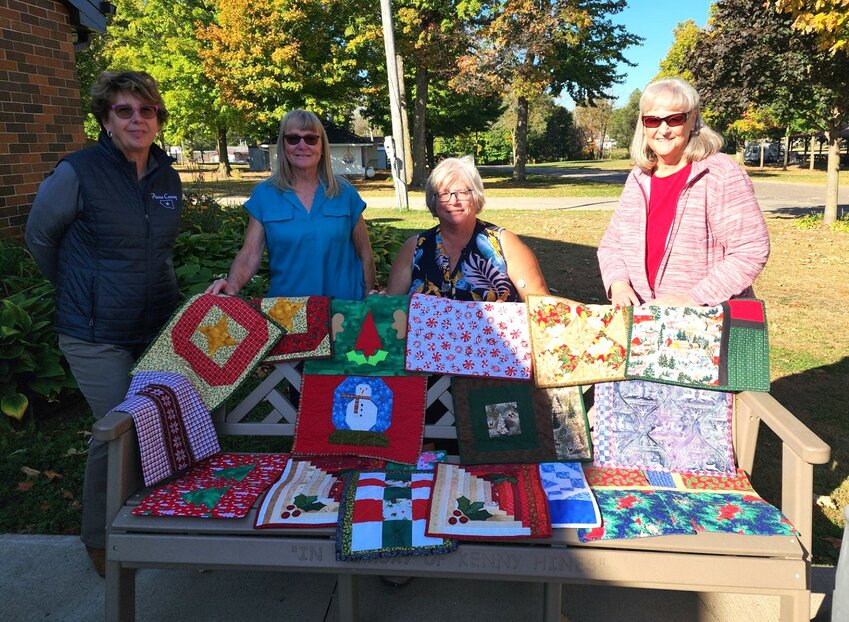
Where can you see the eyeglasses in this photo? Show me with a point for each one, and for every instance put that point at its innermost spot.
(294, 139)
(126, 111)
(673, 120)
(462, 195)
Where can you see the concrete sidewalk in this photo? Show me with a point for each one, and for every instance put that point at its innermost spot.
(50, 578)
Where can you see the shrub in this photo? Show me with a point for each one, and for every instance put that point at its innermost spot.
(385, 242)
(814, 221)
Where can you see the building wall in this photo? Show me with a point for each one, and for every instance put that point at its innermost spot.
(40, 113)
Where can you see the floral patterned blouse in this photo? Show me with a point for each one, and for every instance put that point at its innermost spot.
(480, 273)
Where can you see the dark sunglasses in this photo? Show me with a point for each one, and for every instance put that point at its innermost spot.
(294, 139)
(673, 120)
(126, 111)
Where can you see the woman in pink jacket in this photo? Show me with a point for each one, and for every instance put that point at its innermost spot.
(688, 229)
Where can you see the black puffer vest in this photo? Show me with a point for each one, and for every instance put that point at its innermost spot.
(116, 281)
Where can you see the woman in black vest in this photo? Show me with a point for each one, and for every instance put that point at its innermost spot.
(102, 229)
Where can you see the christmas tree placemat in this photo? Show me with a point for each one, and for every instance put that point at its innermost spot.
(308, 492)
(223, 486)
(215, 342)
(368, 338)
(384, 514)
(488, 502)
(660, 427)
(570, 501)
(575, 343)
(466, 338)
(496, 422)
(173, 426)
(306, 320)
(369, 416)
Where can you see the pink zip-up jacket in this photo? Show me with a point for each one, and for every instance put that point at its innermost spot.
(717, 245)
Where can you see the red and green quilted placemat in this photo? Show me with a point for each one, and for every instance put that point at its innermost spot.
(223, 486)
(384, 514)
(306, 320)
(485, 502)
(215, 342)
(369, 416)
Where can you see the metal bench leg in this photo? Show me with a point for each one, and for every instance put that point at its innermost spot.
(120, 593)
(552, 596)
(796, 608)
(348, 598)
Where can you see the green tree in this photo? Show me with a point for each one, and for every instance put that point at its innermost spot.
(676, 62)
(595, 120)
(623, 122)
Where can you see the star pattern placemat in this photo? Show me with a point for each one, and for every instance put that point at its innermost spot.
(570, 501)
(663, 427)
(497, 422)
(488, 502)
(306, 320)
(215, 342)
(384, 514)
(223, 486)
(369, 416)
(466, 338)
(575, 343)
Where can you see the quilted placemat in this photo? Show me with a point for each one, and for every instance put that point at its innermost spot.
(570, 501)
(368, 338)
(634, 514)
(575, 343)
(488, 502)
(215, 342)
(173, 426)
(663, 427)
(497, 422)
(384, 514)
(721, 347)
(370, 416)
(466, 338)
(308, 492)
(223, 486)
(570, 427)
(426, 462)
(306, 320)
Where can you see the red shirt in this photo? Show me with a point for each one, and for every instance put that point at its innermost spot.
(663, 200)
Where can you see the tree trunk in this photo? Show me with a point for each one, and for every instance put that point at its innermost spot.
(786, 148)
(521, 144)
(405, 121)
(224, 168)
(833, 172)
(420, 125)
(431, 160)
(762, 154)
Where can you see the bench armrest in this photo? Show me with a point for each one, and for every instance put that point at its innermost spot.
(112, 426)
(124, 467)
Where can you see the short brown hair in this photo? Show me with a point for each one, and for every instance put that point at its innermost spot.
(138, 83)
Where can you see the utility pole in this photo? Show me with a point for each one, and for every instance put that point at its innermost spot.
(396, 154)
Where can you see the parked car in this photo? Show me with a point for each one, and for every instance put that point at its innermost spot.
(773, 153)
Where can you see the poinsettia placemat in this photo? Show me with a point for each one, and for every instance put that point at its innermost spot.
(215, 342)
(570, 501)
(384, 514)
(369, 416)
(223, 486)
(306, 320)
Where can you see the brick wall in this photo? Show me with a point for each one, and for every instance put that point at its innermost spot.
(40, 113)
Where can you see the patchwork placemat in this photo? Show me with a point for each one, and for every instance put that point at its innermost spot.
(570, 501)
(570, 427)
(634, 514)
(575, 343)
(488, 502)
(426, 462)
(497, 422)
(370, 416)
(308, 492)
(368, 338)
(173, 426)
(384, 514)
(466, 338)
(721, 347)
(306, 320)
(663, 427)
(223, 486)
(215, 342)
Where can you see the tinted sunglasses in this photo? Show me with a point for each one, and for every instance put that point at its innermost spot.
(294, 139)
(126, 111)
(673, 120)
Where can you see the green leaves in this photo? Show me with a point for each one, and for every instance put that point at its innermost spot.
(307, 503)
(474, 511)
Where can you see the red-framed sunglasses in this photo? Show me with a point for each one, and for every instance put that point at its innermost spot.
(672, 120)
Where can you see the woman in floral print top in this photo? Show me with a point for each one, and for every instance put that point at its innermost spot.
(464, 258)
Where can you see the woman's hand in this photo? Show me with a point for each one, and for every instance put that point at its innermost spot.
(221, 286)
(622, 294)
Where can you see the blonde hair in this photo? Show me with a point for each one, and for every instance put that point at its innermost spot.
(675, 94)
(450, 170)
(305, 121)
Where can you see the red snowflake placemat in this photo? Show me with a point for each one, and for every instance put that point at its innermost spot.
(223, 486)
(215, 342)
(369, 416)
(307, 323)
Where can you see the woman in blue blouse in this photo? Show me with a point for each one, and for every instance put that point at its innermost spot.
(310, 220)
(464, 258)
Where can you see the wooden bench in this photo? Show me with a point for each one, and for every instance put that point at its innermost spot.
(707, 562)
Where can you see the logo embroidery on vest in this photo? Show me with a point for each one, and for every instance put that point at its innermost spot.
(168, 201)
